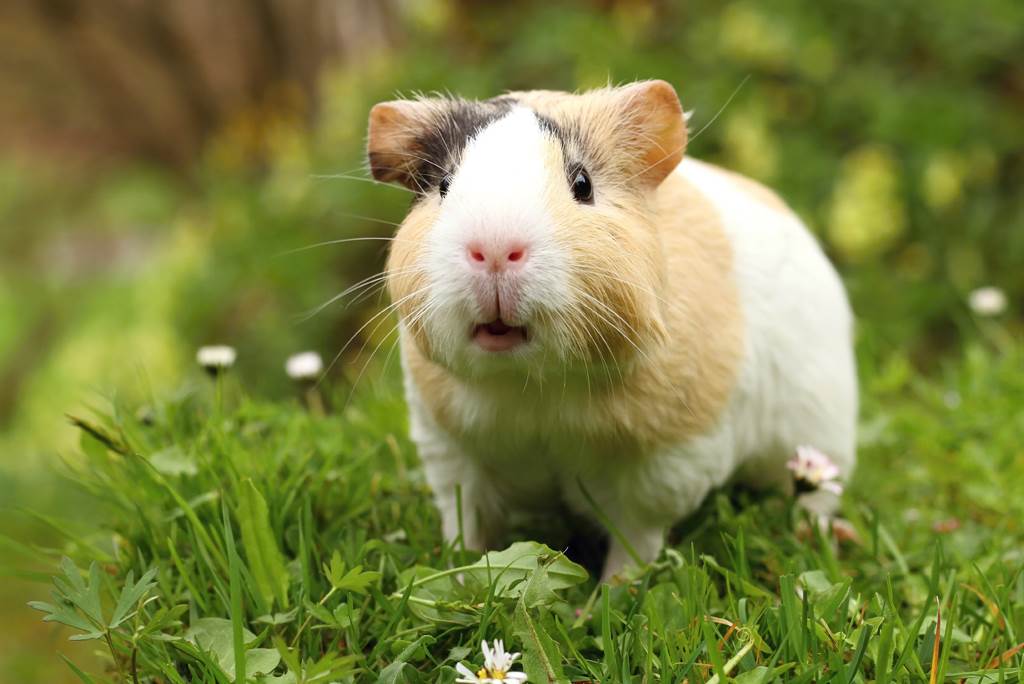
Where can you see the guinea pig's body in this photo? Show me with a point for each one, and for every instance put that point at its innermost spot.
(582, 311)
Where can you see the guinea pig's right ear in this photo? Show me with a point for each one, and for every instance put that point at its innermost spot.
(656, 126)
(395, 130)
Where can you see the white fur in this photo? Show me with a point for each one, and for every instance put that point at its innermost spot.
(521, 448)
(496, 196)
(798, 384)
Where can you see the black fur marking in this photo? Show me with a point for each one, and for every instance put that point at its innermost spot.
(440, 146)
(503, 100)
(572, 140)
(552, 127)
(438, 149)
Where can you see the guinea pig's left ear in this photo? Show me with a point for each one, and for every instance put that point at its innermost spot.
(656, 126)
(392, 140)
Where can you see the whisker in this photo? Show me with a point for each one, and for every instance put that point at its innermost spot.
(368, 291)
(385, 311)
(366, 363)
(607, 346)
(394, 345)
(361, 217)
(364, 166)
(590, 268)
(369, 281)
(722, 108)
(340, 241)
(423, 159)
(414, 318)
(675, 306)
(374, 181)
(680, 394)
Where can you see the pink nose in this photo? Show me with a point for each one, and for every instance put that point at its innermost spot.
(496, 258)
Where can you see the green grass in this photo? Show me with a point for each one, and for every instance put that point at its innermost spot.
(246, 534)
(892, 128)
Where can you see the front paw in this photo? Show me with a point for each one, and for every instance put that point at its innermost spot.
(623, 564)
(467, 532)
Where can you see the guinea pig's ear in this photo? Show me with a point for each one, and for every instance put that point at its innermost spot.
(394, 131)
(656, 126)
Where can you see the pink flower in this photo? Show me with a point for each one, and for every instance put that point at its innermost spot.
(813, 470)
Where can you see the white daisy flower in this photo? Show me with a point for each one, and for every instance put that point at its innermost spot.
(216, 358)
(987, 301)
(304, 366)
(814, 470)
(496, 669)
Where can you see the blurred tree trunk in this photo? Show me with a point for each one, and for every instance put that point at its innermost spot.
(155, 79)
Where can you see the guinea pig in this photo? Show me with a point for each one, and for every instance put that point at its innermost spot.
(588, 318)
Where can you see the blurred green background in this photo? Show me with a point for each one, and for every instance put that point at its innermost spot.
(161, 162)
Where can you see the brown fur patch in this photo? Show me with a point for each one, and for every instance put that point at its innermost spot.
(687, 384)
(406, 274)
(391, 140)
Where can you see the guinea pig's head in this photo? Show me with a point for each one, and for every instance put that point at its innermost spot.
(531, 242)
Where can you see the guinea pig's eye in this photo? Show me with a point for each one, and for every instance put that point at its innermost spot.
(442, 187)
(582, 188)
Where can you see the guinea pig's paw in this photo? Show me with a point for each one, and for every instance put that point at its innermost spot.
(623, 574)
(613, 577)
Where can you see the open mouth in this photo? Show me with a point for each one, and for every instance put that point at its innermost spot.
(498, 336)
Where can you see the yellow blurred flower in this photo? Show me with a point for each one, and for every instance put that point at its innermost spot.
(749, 146)
(942, 182)
(866, 215)
(750, 35)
